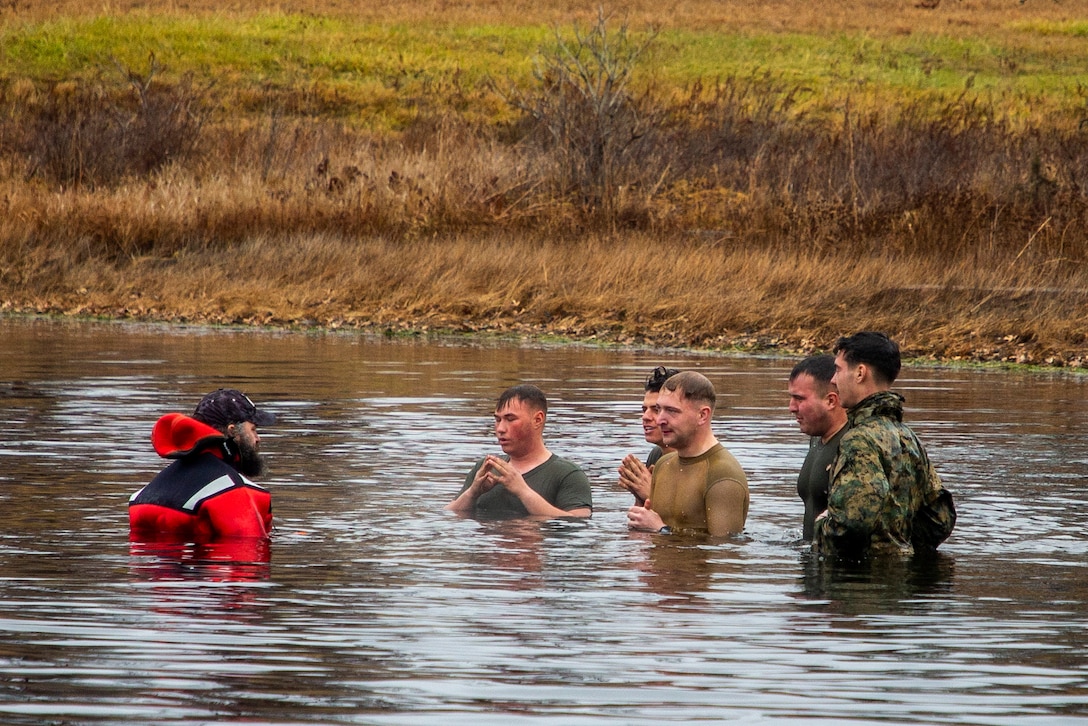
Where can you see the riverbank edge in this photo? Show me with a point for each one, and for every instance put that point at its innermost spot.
(529, 336)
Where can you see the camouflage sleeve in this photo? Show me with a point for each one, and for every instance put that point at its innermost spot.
(856, 495)
(934, 479)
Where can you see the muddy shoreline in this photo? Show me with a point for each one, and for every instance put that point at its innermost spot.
(1013, 356)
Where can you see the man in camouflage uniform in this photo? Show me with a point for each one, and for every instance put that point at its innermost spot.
(884, 495)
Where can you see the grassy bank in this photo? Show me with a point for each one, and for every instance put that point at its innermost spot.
(763, 177)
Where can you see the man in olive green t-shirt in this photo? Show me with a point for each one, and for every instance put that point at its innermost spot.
(814, 403)
(529, 480)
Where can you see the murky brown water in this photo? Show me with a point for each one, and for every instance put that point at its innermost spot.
(377, 607)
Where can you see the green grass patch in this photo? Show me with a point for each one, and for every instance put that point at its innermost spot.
(1071, 28)
(439, 64)
(271, 47)
(884, 68)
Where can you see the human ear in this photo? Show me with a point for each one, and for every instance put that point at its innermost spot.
(704, 414)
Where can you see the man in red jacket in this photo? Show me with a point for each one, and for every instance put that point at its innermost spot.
(205, 493)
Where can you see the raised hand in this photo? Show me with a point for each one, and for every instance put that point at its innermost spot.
(636, 477)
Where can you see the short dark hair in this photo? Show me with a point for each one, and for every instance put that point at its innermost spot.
(526, 393)
(875, 350)
(820, 367)
(693, 386)
(657, 378)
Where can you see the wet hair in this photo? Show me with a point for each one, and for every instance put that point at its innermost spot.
(692, 386)
(526, 393)
(657, 378)
(820, 367)
(875, 350)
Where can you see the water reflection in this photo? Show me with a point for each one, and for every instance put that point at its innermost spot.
(677, 568)
(886, 585)
(372, 605)
(230, 560)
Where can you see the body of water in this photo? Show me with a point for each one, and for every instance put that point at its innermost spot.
(372, 605)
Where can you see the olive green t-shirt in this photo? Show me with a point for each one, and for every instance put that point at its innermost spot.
(812, 482)
(559, 481)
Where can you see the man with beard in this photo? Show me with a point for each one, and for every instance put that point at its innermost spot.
(205, 493)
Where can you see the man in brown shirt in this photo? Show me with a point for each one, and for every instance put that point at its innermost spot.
(699, 487)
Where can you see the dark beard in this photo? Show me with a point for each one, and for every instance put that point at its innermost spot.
(250, 462)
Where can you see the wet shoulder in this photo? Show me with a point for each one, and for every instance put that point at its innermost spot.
(723, 465)
(556, 468)
(559, 466)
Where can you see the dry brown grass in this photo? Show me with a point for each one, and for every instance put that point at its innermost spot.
(639, 289)
(446, 231)
(733, 222)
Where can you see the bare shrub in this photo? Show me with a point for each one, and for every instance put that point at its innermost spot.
(583, 109)
(943, 180)
(94, 134)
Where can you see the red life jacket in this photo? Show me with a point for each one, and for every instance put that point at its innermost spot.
(200, 496)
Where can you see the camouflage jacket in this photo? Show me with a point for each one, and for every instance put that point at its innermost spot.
(880, 481)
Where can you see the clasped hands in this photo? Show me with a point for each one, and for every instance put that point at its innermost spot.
(496, 470)
(636, 477)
